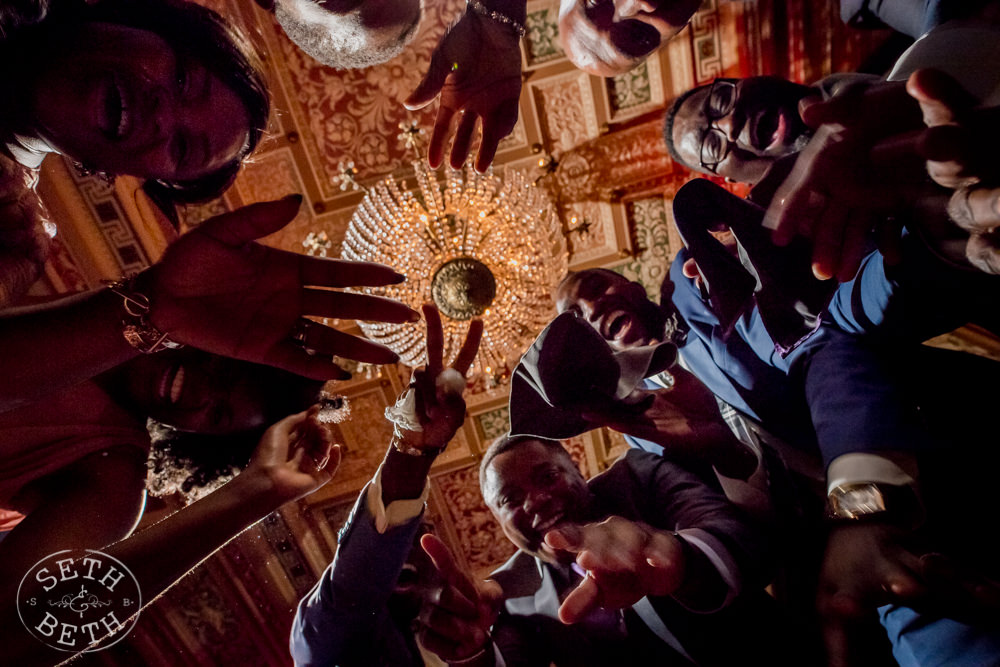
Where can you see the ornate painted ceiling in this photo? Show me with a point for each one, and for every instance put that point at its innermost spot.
(612, 172)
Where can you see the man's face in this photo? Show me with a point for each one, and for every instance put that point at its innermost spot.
(531, 490)
(615, 307)
(738, 127)
(609, 37)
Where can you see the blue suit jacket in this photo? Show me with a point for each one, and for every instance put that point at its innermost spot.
(859, 392)
(344, 620)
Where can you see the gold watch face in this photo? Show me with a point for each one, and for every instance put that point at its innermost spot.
(855, 501)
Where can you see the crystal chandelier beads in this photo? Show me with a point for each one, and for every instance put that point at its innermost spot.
(494, 246)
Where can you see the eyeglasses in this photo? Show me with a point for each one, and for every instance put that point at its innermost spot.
(715, 144)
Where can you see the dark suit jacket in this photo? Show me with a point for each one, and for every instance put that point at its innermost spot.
(645, 487)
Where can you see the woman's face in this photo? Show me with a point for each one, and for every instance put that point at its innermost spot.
(198, 392)
(121, 100)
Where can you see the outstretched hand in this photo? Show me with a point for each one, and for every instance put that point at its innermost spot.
(219, 290)
(960, 146)
(295, 457)
(858, 169)
(867, 565)
(459, 612)
(476, 71)
(862, 170)
(684, 419)
(625, 561)
(440, 409)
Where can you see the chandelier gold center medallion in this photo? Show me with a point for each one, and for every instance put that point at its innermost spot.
(476, 245)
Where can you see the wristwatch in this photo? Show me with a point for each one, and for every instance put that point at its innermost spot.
(873, 500)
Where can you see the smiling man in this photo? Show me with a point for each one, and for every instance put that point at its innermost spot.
(731, 368)
(645, 563)
(737, 128)
(876, 426)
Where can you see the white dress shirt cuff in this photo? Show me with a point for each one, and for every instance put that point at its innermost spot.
(398, 512)
(860, 467)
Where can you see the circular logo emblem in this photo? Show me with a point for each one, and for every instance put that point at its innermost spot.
(79, 600)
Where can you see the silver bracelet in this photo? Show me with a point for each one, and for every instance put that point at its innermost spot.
(499, 17)
(396, 441)
(137, 329)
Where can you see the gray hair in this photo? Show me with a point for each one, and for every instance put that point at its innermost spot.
(356, 50)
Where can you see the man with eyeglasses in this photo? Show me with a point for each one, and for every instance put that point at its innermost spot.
(738, 128)
(610, 37)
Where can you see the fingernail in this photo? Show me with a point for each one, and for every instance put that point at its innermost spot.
(398, 278)
(820, 272)
(414, 316)
(296, 197)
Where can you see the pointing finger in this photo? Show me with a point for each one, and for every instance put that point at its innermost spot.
(252, 222)
(463, 139)
(351, 306)
(470, 347)
(435, 340)
(445, 563)
(326, 272)
(581, 601)
(430, 85)
(435, 150)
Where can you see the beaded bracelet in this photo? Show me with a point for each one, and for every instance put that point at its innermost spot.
(138, 331)
(499, 17)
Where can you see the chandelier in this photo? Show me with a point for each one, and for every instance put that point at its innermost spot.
(476, 245)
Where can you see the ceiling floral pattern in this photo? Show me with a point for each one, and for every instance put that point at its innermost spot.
(356, 114)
